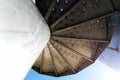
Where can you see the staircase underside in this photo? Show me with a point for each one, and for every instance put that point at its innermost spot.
(80, 31)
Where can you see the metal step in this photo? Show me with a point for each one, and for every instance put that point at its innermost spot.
(82, 11)
(73, 58)
(59, 8)
(96, 29)
(84, 47)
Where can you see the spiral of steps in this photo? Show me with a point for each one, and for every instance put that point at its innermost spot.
(80, 31)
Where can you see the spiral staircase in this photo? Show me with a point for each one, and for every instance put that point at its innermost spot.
(80, 31)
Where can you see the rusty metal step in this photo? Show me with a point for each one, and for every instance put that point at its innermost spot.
(83, 46)
(65, 47)
(96, 29)
(47, 63)
(82, 11)
(73, 58)
(60, 62)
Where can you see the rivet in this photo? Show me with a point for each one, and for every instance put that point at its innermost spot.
(84, 2)
(104, 20)
(95, 27)
(93, 47)
(98, 21)
(72, 11)
(58, 1)
(89, 28)
(78, 14)
(113, 24)
(84, 10)
(96, 1)
(101, 25)
(89, 5)
(53, 9)
(92, 22)
(61, 9)
(66, 1)
(109, 24)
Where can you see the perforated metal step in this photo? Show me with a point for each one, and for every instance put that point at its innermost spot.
(80, 31)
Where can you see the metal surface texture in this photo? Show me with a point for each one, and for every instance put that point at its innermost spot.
(61, 64)
(59, 8)
(80, 31)
(73, 58)
(82, 11)
(97, 29)
(86, 48)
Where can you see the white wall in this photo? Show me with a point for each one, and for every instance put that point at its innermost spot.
(33, 1)
(111, 57)
(23, 35)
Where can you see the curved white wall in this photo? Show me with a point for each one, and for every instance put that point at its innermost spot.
(111, 57)
(23, 35)
(33, 1)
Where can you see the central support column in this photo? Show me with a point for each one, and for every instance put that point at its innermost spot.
(23, 35)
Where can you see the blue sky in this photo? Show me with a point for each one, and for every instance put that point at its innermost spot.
(97, 71)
